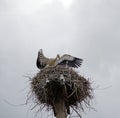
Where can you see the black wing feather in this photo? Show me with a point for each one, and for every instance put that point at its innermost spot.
(76, 62)
(39, 64)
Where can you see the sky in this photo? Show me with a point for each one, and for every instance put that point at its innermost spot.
(88, 29)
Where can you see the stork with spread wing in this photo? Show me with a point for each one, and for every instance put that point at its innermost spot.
(69, 61)
(65, 60)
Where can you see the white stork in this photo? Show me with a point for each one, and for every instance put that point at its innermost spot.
(43, 61)
(65, 60)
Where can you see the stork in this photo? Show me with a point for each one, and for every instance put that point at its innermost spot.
(43, 61)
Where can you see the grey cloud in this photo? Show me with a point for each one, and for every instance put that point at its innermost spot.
(89, 29)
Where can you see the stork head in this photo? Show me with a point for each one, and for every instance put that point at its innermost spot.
(40, 52)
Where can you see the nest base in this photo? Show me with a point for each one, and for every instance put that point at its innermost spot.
(53, 84)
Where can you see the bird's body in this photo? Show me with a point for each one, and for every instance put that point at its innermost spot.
(51, 62)
(43, 61)
(65, 60)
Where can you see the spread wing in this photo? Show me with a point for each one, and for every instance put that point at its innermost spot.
(70, 61)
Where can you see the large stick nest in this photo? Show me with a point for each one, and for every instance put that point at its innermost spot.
(61, 82)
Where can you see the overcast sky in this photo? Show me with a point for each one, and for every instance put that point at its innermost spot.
(89, 29)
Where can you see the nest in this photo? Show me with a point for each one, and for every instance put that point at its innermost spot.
(61, 82)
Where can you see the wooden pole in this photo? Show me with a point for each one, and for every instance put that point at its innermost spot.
(60, 108)
(59, 103)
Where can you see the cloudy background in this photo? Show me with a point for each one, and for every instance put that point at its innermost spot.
(89, 29)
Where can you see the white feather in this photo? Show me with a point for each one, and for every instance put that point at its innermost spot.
(65, 57)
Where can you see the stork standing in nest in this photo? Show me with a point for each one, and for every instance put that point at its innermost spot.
(65, 60)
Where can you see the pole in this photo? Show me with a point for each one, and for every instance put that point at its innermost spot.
(60, 108)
